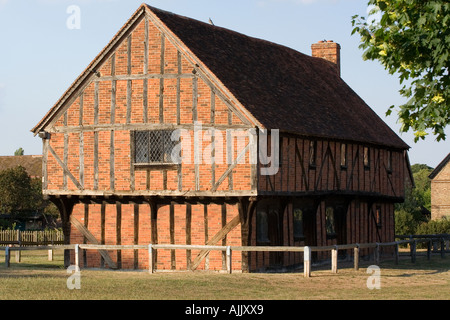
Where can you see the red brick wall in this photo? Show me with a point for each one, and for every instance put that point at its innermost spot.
(92, 135)
(82, 120)
(164, 260)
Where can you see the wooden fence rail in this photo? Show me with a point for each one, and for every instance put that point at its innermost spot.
(307, 250)
(40, 237)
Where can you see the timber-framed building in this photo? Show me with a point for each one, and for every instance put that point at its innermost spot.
(331, 174)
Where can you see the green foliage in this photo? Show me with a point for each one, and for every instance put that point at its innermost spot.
(16, 192)
(434, 227)
(412, 212)
(19, 152)
(412, 39)
(405, 222)
(20, 195)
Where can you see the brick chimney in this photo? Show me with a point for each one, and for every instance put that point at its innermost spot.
(328, 50)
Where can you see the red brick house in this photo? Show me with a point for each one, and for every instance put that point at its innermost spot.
(109, 142)
(31, 163)
(440, 190)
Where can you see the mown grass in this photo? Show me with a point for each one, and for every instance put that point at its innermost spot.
(35, 278)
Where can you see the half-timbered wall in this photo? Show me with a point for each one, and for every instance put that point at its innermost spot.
(147, 85)
(321, 166)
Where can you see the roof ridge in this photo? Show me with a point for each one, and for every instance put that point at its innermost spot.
(439, 167)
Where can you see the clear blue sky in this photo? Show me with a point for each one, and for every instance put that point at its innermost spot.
(40, 57)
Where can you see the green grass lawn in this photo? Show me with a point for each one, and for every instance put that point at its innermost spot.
(35, 278)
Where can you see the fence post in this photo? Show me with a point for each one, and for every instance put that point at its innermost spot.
(442, 248)
(77, 256)
(396, 253)
(7, 256)
(228, 259)
(412, 246)
(356, 257)
(429, 243)
(18, 252)
(307, 262)
(150, 258)
(377, 253)
(50, 255)
(334, 259)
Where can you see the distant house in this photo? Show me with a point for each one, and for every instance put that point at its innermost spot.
(31, 163)
(440, 190)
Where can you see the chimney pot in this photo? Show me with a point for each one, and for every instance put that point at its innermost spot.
(328, 50)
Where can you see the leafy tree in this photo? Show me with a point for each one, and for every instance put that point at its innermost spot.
(15, 190)
(434, 227)
(21, 195)
(19, 152)
(412, 38)
(414, 210)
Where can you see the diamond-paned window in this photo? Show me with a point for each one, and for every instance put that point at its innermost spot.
(154, 146)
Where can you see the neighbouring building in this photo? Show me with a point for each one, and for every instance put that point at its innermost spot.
(33, 166)
(31, 163)
(182, 132)
(440, 190)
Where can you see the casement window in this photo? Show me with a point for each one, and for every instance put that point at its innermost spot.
(366, 157)
(262, 226)
(312, 154)
(267, 222)
(153, 147)
(378, 219)
(330, 224)
(298, 224)
(343, 156)
(389, 162)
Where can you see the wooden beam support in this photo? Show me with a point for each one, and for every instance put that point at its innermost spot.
(64, 167)
(215, 239)
(90, 237)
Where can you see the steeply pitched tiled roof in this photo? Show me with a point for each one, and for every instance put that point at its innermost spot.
(282, 88)
(439, 167)
(31, 163)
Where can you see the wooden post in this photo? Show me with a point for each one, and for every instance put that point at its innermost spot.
(442, 248)
(150, 259)
(50, 255)
(413, 251)
(228, 258)
(7, 256)
(396, 253)
(377, 254)
(334, 255)
(356, 257)
(18, 252)
(429, 244)
(307, 262)
(77, 257)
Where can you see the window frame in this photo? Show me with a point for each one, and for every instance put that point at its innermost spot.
(163, 163)
(298, 236)
(312, 154)
(344, 156)
(366, 158)
(389, 161)
(378, 216)
(330, 222)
